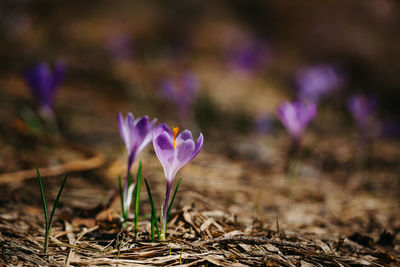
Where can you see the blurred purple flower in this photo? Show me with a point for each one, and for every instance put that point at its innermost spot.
(249, 55)
(295, 116)
(181, 93)
(136, 134)
(44, 83)
(120, 46)
(317, 81)
(362, 109)
(174, 151)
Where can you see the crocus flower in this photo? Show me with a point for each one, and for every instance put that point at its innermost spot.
(174, 151)
(44, 83)
(362, 109)
(136, 134)
(181, 93)
(295, 116)
(317, 81)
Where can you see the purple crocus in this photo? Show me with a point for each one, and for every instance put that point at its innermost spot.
(136, 134)
(181, 93)
(295, 116)
(362, 109)
(317, 81)
(44, 83)
(174, 151)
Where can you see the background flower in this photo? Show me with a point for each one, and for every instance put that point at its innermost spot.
(136, 134)
(317, 81)
(44, 83)
(295, 116)
(181, 93)
(362, 109)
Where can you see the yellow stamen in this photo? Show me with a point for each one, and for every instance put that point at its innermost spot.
(175, 130)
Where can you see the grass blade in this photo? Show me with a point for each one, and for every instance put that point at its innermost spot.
(46, 215)
(121, 192)
(173, 198)
(153, 208)
(57, 199)
(137, 196)
(153, 221)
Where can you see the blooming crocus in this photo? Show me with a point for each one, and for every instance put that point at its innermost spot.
(181, 93)
(44, 83)
(317, 81)
(295, 116)
(174, 151)
(362, 109)
(136, 134)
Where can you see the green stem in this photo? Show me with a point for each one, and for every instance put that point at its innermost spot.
(46, 241)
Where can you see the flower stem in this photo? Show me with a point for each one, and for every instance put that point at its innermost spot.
(46, 240)
(131, 159)
(292, 154)
(164, 226)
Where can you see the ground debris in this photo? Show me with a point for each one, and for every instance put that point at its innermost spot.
(212, 242)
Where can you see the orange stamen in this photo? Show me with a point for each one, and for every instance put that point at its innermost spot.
(175, 130)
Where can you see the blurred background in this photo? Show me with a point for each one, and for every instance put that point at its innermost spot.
(245, 56)
(217, 67)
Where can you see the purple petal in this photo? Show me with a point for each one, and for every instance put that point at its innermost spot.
(184, 151)
(164, 149)
(184, 135)
(162, 128)
(123, 130)
(142, 127)
(130, 120)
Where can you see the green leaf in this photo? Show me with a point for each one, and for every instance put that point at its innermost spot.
(46, 215)
(58, 198)
(130, 179)
(173, 198)
(137, 196)
(153, 208)
(121, 193)
(153, 221)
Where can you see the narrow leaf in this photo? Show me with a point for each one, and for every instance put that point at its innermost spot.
(130, 179)
(57, 199)
(46, 215)
(173, 198)
(153, 221)
(121, 192)
(153, 208)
